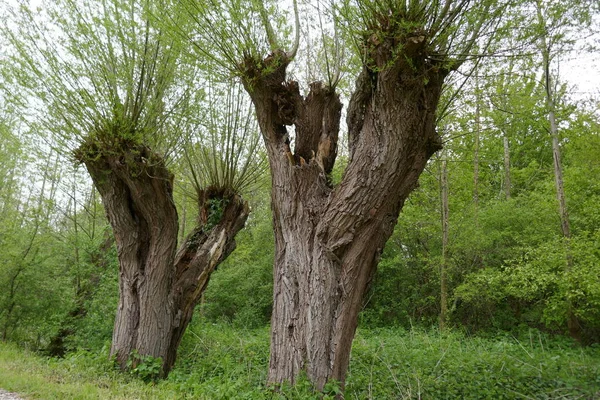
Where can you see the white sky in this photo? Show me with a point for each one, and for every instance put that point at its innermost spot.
(582, 69)
(584, 73)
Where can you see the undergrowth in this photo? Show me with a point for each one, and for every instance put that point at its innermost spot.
(219, 361)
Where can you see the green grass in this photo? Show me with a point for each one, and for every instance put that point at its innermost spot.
(80, 376)
(218, 361)
(449, 366)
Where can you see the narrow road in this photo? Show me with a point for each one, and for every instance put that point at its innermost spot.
(4, 395)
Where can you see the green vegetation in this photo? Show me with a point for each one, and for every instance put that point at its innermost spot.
(220, 361)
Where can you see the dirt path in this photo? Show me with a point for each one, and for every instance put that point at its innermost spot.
(4, 395)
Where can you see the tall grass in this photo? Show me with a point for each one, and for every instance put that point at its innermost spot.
(218, 361)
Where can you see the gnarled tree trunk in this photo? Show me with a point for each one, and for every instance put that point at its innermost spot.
(158, 284)
(328, 240)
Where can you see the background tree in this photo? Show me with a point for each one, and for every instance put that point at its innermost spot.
(30, 254)
(546, 43)
(109, 85)
(445, 228)
(520, 112)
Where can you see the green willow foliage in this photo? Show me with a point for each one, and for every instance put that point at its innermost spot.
(111, 72)
(98, 67)
(224, 32)
(227, 155)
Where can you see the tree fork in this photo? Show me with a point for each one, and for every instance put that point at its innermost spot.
(328, 241)
(158, 286)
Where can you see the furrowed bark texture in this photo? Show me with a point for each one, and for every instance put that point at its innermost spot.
(328, 241)
(158, 284)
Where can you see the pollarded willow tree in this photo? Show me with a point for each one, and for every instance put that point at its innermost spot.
(116, 93)
(328, 239)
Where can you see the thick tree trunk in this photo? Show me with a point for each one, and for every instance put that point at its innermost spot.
(328, 241)
(158, 285)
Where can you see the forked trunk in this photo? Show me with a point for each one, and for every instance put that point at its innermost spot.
(328, 240)
(158, 285)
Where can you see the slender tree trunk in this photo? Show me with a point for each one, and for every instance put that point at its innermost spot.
(8, 323)
(445, 229)
(476, 150)
(41, 218)
(507, 183)
(183, 221)
(158, 285)
(572, 321)
(558, 178)
(328, 240)
(477, 259)
(56, 346)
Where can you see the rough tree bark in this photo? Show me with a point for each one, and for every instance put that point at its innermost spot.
(158, 284)
(328, 240)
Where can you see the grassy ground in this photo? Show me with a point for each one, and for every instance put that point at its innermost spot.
(220, 362)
